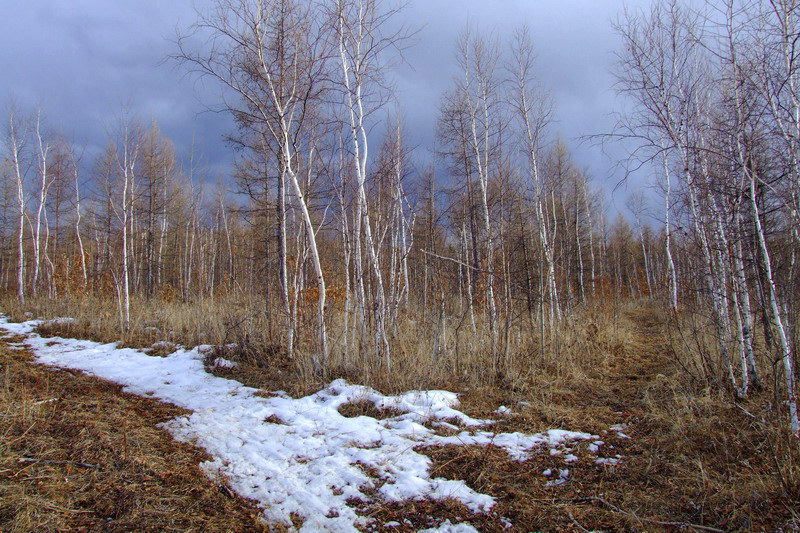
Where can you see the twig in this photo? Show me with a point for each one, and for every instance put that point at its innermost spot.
(773, 453)
(748, 413)
(51, 462)
(650, 520)
(49, 400)
(577, 524)
(454, 260)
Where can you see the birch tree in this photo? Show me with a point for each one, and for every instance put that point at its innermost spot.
(126, 161)
(270, 55)
(532, 112)
(15, 145)
(362, 40)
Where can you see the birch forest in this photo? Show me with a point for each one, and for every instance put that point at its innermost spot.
(336, 248)
(344, 247)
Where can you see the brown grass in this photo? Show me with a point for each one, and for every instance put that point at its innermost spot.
(696, 459)
(366, 408)
(466, 360)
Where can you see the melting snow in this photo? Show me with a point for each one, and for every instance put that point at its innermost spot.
(60, 321)
(299, 456)
(563, 477)
(594, 447)
(221, 362)
(619, 428)
(448, 527)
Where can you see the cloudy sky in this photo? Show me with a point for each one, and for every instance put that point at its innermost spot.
(82, 61)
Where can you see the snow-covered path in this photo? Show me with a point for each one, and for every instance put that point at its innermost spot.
(297, 457)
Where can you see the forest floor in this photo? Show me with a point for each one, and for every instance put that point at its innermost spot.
(78, 454)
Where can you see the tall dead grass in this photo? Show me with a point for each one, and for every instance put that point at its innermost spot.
(427, 352)
(696, 457)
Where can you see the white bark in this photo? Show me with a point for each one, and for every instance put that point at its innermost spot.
(78, 224)
(15, 143)
(476, 91)
(44, 185)
(355, 32)
(127, 165)
(673, 276)
(787, 357)
(532, 126)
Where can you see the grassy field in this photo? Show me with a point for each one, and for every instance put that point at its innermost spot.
(76, 454)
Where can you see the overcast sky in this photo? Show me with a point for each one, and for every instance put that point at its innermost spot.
(82, 61)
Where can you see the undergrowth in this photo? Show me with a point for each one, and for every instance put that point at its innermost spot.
(697, 459)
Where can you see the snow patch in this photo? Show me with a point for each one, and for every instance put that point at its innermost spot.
(563, 477)
(300, 456)
(449, 527)
(594, 447)
(60, 321)
(619, 428)
(221, 362)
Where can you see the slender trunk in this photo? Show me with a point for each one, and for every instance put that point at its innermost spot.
(282, 271)
(673, 277)
(787, 357)
(578, 242)
(126, 306)
(78, 228)
(315, 257)
(15, 153)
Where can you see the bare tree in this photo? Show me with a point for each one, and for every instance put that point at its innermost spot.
(126, 161)
(15, 145)
(271, 56)
(362, 41)
(533, 111)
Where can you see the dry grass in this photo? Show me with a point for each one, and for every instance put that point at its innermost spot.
(695, 459)
(366, 408)
(76, 454)
(695, 462)
(465, 358)
(203, 322)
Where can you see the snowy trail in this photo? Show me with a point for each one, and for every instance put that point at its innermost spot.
(297, 457)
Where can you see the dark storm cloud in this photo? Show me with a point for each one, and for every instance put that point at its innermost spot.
(82, 61)
(575, 44)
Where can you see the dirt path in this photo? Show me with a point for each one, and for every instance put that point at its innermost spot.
(694, 461)
(598, 497)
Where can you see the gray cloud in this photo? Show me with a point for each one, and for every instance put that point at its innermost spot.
(83, 60)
